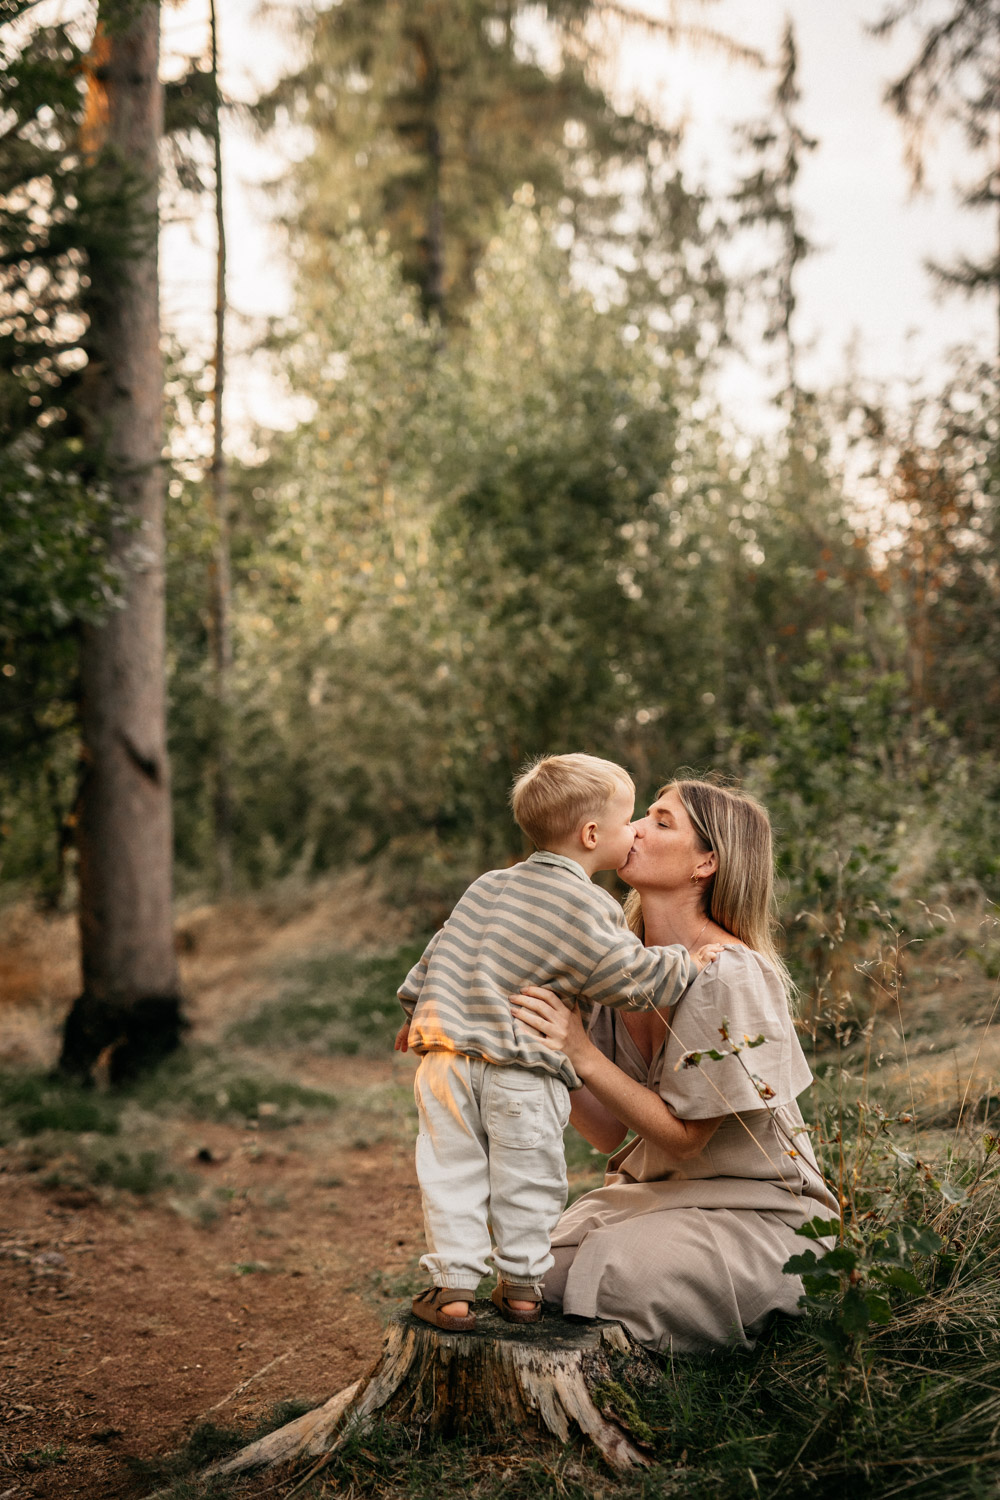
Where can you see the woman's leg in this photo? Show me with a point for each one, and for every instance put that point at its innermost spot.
(555, 1280)
(687, 1278)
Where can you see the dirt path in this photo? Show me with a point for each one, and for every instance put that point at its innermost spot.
(125, 1324)
(122, 1330)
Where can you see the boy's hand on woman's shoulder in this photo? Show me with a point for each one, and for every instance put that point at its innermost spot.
(702, 957)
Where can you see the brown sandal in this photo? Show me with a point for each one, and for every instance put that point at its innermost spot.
(501, 1297)
(427, 1305)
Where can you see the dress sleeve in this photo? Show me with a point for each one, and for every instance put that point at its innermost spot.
(741, 995)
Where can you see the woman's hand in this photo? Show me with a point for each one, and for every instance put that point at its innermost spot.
(558, 1025)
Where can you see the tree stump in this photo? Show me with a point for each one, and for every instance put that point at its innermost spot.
(551, 1379)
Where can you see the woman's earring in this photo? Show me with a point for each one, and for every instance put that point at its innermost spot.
(694, 880)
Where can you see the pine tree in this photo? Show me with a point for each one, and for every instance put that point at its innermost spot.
(955, 75)
(765, 198)
(428, 115)
(130, 996)
(62, 222)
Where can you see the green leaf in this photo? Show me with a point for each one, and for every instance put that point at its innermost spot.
(854, 1311)
(819, 1229)
(900, 1277)
(879, 1310)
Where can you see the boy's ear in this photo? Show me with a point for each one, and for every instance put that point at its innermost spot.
(588, 835)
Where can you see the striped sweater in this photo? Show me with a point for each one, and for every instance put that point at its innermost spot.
(541, 922)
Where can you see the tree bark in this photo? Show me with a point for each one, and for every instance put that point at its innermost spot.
(130, 998)
(222, 633)
(552, 1381)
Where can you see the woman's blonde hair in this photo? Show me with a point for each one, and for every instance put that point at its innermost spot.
(740, 894)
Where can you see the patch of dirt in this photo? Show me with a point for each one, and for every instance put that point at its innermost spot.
(225, 954)
(125, 1324)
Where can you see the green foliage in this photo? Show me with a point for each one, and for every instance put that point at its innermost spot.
(765, 199)
(522, 529)
(68, 221)
(942, 467)
(952, 77)
(141, 1172)
(31, 1103)
(87, 1163)
(525, 540)
(836, 799)
(42, 1458)
(848, 1286)
(209, 1086)
(428, 118)
(339, 1004)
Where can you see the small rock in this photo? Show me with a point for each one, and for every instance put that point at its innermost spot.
(49, 1260)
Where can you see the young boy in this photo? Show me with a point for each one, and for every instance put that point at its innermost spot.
(492, 1099)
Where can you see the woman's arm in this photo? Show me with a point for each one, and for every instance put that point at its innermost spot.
(614, 1101)
(598, 1125)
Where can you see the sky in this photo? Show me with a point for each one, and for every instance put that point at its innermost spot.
(866, 289)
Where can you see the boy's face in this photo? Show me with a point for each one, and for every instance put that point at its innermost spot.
(615, 830)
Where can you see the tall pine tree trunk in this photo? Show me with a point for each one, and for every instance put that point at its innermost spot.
(221, 572)
(130, 999)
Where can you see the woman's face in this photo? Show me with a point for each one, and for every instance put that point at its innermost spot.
(667, 851)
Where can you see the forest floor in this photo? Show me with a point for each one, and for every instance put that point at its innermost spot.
(233, 1237)
(261, 1270)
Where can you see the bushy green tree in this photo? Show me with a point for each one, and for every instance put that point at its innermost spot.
(525, 541)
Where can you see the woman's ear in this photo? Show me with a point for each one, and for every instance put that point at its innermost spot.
(707, 865)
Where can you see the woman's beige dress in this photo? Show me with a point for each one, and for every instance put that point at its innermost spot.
(688, 1255)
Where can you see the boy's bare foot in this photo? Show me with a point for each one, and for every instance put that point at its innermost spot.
(455, 1309)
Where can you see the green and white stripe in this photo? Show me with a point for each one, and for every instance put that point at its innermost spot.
(540, 922)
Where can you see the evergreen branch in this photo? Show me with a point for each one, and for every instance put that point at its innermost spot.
(676, 31)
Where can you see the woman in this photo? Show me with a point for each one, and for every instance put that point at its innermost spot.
(685, 1242)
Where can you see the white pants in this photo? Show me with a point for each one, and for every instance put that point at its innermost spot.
(489, 1151)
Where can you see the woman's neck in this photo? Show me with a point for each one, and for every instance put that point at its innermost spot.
(670, 917)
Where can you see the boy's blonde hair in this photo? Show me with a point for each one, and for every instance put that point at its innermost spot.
(555, 794)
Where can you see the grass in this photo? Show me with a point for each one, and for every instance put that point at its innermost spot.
(914, 1413)
(112, 1144)
(341, 1004)
(208, 1083)
(905, 1407)
(32, 1104)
